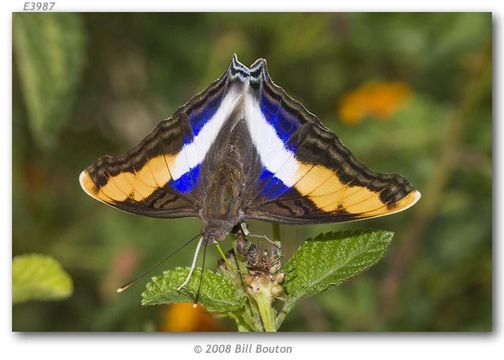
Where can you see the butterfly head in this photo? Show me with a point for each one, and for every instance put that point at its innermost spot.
(215, 234)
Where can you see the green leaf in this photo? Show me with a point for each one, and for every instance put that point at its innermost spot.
(49, 53)
(218, 294)
(330, 259)
(39, 277)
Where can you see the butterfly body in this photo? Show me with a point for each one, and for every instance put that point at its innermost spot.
(224, 184)
(243, 149)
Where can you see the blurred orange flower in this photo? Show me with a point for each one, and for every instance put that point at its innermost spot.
(379, 99)
(184, 317)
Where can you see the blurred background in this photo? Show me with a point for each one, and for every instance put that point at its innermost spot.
(407, 93)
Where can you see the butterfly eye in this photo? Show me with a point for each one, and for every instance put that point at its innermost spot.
(214, 235)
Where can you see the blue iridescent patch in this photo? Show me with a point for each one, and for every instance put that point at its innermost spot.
(186, 182)
(284, 123)
(198, 119)
(272, 186)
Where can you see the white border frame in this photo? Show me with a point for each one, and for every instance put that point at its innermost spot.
(181, 346)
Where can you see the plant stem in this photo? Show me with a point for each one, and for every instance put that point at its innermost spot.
(283, 313)
(226, 260)
(240, 323)
(276, 232)
(267, 313)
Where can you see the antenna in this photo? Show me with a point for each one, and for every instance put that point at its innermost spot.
(127, 285)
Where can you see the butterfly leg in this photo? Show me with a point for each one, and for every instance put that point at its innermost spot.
(246, 232)
(244, 229)
(272, 242)
(193, 265)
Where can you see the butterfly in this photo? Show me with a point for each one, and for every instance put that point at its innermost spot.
(244, 149)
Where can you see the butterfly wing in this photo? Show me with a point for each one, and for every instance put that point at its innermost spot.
(307, 175)
(160, 177)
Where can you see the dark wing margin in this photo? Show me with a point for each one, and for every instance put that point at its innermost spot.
(329, 184)
(140, 181)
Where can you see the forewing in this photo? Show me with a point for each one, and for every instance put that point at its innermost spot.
(307, 174)
(160, 177)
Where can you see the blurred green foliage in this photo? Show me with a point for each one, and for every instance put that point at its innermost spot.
(38, 277)
(85, 85)
(49, 54)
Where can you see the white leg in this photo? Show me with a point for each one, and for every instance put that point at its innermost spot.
(276, 243)
(193, 265)
(246, 232)
(244, 228)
